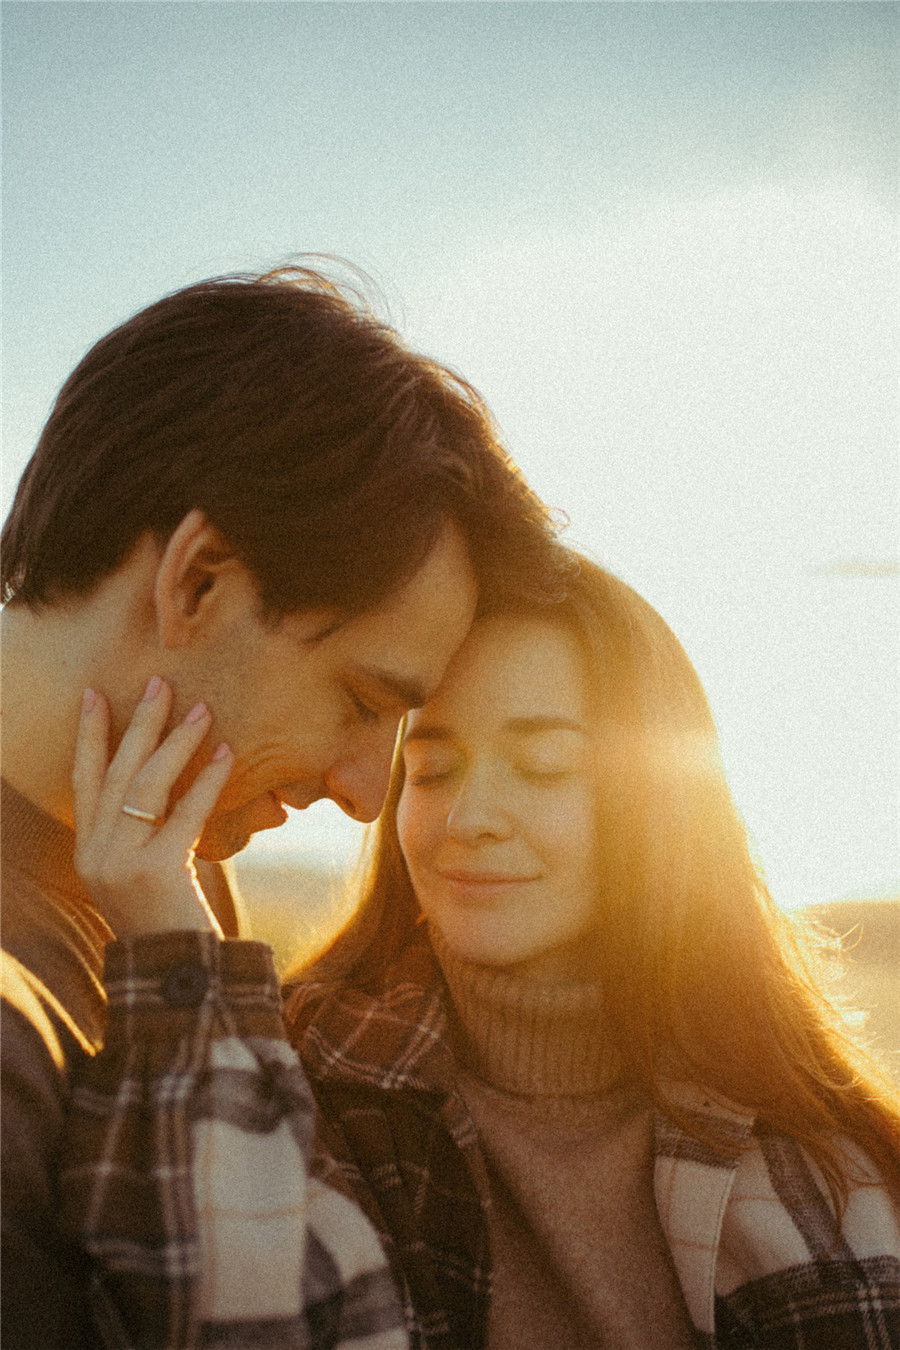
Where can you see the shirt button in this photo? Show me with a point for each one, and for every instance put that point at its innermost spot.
(184, 986)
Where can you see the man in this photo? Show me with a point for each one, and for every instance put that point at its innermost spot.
(254, 492)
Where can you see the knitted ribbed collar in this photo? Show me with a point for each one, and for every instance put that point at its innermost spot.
(44, 847)
(525, 1035)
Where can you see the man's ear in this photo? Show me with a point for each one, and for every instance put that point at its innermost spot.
(198, 581)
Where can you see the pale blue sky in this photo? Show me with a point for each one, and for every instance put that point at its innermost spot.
(660, 237)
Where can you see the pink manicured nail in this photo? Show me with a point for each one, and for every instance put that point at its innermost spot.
(222, 752)
(88, 701)
(198, 712)
(154, 684)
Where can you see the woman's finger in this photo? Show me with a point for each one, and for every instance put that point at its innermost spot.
(135, 748)
(191, 812)
(141, 735)
(91, 760)
(151, 786)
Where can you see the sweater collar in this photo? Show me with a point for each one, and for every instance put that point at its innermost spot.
(45, 848)
(528, 1036)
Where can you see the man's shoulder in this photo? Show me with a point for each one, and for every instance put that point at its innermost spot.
(50, 927)
(40, 1044)
(44, 1283)
(32, 1013)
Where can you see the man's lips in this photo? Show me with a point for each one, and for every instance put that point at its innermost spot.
(297, 801)
(269, 810)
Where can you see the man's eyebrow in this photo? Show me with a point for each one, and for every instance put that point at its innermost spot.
(411, 693)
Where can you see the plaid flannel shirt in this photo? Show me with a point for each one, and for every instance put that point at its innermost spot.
(751, 1232)
(185, 1173)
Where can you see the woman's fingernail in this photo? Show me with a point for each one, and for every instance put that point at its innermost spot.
(222, 752)
(154, 684)
(198, 712)
(88, 700)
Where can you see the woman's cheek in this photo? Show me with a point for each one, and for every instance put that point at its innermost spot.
(414, 829)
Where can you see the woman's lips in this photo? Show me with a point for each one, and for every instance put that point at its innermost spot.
(482, 885)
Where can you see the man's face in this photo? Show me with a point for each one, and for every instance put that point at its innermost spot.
(311, 716)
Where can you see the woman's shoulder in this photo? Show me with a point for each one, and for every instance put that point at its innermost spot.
(389, 1029)
(788, 1259)
(779, 1185)
(770, 1167)
(755, 1216)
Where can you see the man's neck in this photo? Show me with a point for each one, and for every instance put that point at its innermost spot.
(49, 657)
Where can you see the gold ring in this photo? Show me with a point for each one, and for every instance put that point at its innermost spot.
(150, 818)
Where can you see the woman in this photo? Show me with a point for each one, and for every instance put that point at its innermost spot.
(597, 1097)
(568, 1057)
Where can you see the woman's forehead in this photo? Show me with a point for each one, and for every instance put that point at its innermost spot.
(524, 672)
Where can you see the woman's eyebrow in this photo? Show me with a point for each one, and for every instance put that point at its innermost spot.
(519, 726)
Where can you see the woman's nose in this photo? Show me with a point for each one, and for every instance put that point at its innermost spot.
(479, 810)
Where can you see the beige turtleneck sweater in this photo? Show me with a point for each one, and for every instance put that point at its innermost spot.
(580, 1261)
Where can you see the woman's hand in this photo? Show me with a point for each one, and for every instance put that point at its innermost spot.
(140, 870)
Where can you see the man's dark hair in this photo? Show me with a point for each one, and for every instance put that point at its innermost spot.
(327, 453)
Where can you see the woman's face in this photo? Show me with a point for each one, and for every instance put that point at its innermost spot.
(497, 815)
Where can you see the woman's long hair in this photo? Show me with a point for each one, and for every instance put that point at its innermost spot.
(707, 979)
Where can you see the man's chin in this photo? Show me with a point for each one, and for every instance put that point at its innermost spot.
(216, 847)
(227, 834)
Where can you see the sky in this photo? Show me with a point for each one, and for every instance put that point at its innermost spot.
(660, 238)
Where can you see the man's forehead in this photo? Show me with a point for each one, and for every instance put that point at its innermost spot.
(401, 646)
(397, 658)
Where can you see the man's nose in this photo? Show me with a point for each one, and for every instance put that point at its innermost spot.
(478, 809)
(359, 785)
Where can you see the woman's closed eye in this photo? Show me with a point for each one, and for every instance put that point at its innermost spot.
(548, 757)
(422, 770)
(545, 774)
